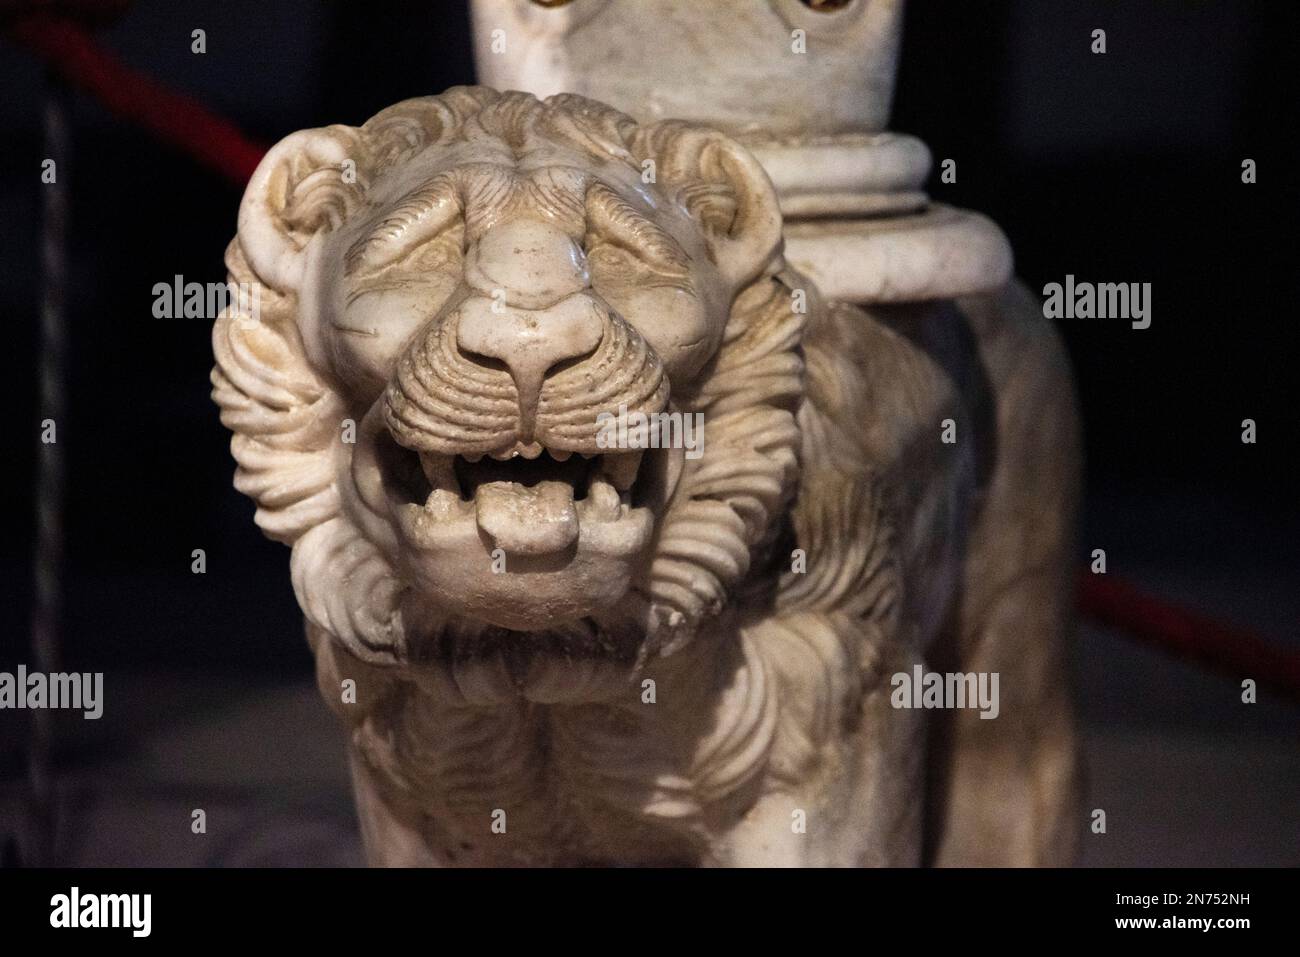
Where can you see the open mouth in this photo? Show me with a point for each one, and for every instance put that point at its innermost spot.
(529, 500)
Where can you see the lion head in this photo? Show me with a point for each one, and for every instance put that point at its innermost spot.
(455, 296)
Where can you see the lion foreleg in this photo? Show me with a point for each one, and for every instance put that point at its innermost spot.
(390, 838)
(845, 766)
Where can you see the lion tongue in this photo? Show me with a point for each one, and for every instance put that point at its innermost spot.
(527, 520)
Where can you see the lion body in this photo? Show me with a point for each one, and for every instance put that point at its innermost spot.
(730, 705)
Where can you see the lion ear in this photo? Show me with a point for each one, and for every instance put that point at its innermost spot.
(724, 188)
(307, 183)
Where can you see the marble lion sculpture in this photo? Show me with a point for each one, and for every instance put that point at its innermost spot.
(551, 651)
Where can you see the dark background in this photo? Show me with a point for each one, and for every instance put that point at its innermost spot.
(1122, 167)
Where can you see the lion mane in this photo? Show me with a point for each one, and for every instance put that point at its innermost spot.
(772, 400)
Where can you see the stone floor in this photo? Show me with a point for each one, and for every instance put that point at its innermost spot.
(1187, 774)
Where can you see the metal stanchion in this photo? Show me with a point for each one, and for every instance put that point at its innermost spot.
(52, 348)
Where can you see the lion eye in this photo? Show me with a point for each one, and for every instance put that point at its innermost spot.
(610, 263)
(422, 217)
(614, 222)
(443, 250)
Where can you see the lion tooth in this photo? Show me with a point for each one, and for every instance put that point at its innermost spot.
(529, 451)
(604, 499)
(504, 455)
(622, 469)
(561, 455)
(442, 503)
(472, 457)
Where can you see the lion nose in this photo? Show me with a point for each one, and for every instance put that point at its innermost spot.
(526, 263)
(530, 342)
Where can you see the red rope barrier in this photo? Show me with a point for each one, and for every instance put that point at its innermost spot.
(1225, 648)
(179, 120)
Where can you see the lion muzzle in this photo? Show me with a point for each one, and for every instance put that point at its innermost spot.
(529, 343)
(502, 394)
